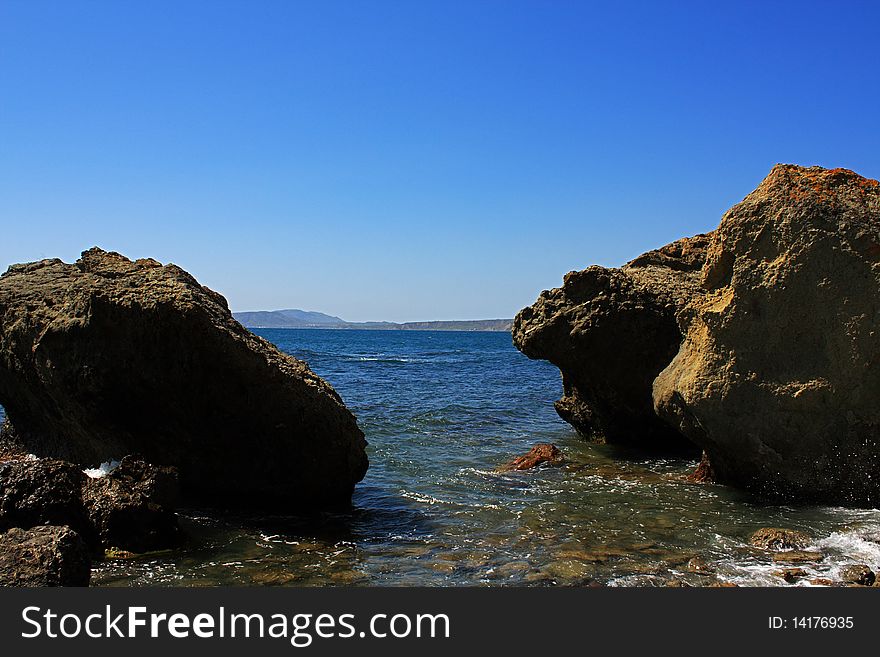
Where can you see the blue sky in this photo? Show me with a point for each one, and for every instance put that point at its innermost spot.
(412, 160)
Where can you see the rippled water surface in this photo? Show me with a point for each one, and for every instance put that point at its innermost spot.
(441, 411)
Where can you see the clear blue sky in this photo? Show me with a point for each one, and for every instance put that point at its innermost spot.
(412, 160)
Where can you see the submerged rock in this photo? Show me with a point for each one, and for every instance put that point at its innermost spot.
(791, 575)
(132, 507)
(611, 332)
(779, 373)
(775, 538)
(821, 581)
(540, 454)
(699, 566)
(703, 473)
(43, 556)
(857, 574)
(108, 357)
(798, 556)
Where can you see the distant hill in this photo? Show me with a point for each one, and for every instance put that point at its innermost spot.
(291, 318)
(294, 318)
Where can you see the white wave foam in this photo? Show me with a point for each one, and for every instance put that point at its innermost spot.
(102, 470)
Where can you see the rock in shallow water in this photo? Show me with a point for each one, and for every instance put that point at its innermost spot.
(758, 342)
(857, 574)
(108, 357)
(43, 556)
(610, 332)
(779, 373)
(540, 454)
(791, 575)
(132, 507)
(775, 538)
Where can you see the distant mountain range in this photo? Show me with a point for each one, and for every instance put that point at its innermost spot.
(309, 319)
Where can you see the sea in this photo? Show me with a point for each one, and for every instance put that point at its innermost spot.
(442, 410)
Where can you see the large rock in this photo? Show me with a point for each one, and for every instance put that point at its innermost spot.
(108, 357)
(43, 556)
(779, 374)
(611, 332)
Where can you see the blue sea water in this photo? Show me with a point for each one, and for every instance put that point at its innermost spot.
(441, 411)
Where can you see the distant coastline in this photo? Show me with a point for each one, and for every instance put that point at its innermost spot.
(305, 319)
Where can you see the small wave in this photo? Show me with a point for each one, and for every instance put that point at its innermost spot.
(102, 470)
(854, 546)
(423, 498)
(384, 359)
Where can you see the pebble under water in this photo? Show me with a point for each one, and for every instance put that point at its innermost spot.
(441, 411)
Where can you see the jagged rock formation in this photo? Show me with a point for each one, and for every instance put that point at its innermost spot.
(611, 332)
(759, 342)
(44, 492)
(108, 357)
(132, 507)
(43, 556)
(779, 374)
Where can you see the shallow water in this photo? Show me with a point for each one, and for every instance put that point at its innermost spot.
(441, 411)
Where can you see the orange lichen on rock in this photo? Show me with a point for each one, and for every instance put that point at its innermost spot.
(821, 182)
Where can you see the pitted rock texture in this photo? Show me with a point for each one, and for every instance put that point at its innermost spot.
(132, 508)
(779, 373)
(43, 556)
(611, 332)
(42, 492)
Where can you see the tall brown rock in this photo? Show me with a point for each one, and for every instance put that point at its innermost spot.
(779, 375)
(108, 357)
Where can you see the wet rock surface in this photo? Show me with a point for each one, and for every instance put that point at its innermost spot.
(133, 507)
(541, 454)
(857, 574)
(792, 575)
(43, 556)
(798, 556)
(108, 357)
(45, 500)
(776, 538)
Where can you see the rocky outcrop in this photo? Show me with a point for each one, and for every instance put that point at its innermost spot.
(132, 507)
(779, 373)
(611, 332)
(43, 556)
(758, 342)
(108, 357)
